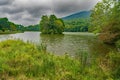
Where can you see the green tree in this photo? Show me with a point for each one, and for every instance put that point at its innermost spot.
(12, 26)
(44, 24)
(77, 25)
(20, 27)
(59, 26)
(100, 15)
(4, 24)
(33, 28)
(51, 25)
(105, 19)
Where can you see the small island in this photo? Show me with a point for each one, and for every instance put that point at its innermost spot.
(51, 25)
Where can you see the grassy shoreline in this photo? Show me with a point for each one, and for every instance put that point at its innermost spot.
(12, 32)
(25, 61)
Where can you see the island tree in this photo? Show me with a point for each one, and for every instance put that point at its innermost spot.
(51, 25)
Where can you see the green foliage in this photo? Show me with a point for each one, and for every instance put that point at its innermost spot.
(77, 22)
(76, 25)
(106, 20)
(20, 27)
(113, 65)
(100, 15)
(7, 26)
(12, 26)
(31, 62)
(80, 15)
(4, 24)
(118, 44)
(51, 25)
(19, 60)
(32, 28)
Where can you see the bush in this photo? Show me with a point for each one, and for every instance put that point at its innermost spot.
(118, 44)
(114, 63)
(110, 34)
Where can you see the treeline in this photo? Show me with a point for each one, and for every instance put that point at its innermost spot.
(6, 25)
(76, 25)
(54, 24)
(71, 25)
(32, 28)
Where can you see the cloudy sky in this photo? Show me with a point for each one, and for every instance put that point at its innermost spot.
(29, 12)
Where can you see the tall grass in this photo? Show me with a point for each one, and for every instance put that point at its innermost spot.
(25, 61)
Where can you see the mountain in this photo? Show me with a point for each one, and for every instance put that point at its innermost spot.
(82, 14)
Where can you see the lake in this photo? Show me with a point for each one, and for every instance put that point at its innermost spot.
(70, 42)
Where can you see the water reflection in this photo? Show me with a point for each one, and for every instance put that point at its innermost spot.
(4, 37)
(99, 48)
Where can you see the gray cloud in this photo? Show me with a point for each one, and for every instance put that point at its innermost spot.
(5, 2)
(28, 12)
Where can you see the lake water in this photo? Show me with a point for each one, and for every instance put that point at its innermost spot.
(70, 42)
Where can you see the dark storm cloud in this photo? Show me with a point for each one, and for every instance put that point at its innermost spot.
(5, 2)
(29, 11)
(12, 10)
(65, 6)
(37, 11)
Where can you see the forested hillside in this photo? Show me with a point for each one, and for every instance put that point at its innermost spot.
(33, 28)
(77, 22)
(82, 14)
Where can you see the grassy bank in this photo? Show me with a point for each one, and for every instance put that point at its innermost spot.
(10, 32)
(25, 61)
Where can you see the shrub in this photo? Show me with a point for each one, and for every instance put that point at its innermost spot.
(118, 44)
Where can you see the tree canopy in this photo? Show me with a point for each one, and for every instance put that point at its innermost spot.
(105, 19)
(32, 28)
(77, 25)
(6, 25)
(51, 25)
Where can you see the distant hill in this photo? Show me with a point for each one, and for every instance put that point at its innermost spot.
(82, 14)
